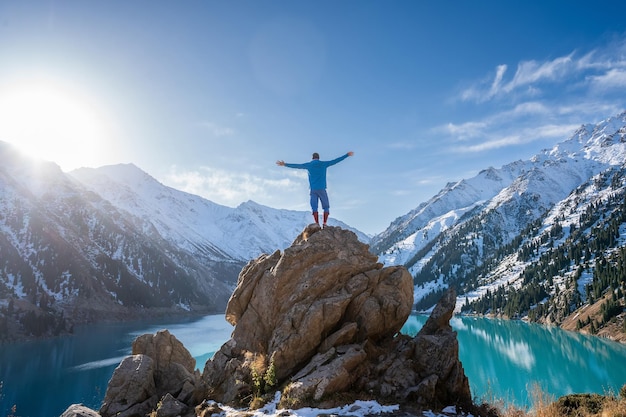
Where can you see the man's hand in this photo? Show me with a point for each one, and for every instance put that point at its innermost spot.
(350, 153)
(280, 163)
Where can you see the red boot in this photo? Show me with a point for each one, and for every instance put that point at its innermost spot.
(317, 219)
(325, 217)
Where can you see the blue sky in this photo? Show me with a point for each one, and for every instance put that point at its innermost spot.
(206, 95)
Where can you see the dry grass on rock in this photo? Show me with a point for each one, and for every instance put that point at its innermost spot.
(573, 405)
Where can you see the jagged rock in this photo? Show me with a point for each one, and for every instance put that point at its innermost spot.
(426, 368)
(160, 367)
(321, 318)
(437, 353)
(175, 369)
(325, 291)
(327, 372)
(131, 389)
(170, 407)
(79, 410)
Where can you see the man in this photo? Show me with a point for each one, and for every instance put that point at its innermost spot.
(317, 181)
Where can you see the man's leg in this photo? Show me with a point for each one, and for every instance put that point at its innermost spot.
(314, 198)
(325, 205)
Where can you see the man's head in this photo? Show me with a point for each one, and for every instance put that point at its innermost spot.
(316, 155)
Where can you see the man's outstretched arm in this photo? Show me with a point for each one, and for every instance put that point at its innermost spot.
(341, 158)
(288, 165)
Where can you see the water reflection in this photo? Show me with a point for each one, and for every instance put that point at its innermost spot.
(504, 359)
(44, 377)
(517, 352)
(501, 359)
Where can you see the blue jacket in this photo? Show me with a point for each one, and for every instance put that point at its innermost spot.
(317, 171)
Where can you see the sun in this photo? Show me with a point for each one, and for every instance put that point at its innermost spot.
(51, 122)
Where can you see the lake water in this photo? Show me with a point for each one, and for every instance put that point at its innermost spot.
(502, 360)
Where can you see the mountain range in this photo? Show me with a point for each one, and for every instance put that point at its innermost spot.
(540, 239)
(113, 242)
(532, 239)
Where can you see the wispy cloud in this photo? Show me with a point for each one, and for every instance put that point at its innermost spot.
(529, 75)
(541, 100)
(465, 130)
(522, 124)
(614, 78)
(477, 129)
(230, 188)
(523, 136)
(487, 88)
(497, 82)
(490, 144)
(602, 67)
(530, 72)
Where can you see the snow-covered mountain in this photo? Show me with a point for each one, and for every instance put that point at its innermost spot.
(113, 241)
(475, 234)
(195, 224)
(538, 238)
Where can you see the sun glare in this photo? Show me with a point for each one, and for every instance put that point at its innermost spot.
(50, 122)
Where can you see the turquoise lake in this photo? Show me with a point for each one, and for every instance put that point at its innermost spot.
(503, 359)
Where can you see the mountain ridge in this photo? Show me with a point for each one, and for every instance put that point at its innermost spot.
(191, 220)
(120, 236)
(464, 235)
(455, 195)
(114, 243)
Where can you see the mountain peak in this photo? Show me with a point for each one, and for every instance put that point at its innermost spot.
(128, 174)
(485, 232)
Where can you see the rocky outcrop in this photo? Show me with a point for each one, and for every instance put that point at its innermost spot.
(317, 322)
(323, 318)
(160, 368)
(424, 369)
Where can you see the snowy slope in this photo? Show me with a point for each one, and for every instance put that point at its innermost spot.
(106, 242)
(457, 237)
(425, 222)
(194, 223)
(66, 253)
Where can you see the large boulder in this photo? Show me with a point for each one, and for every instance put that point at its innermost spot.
(175, 369)
(159, 368)
(131, 389)
(323, 318)
(325, 290)
(425, 369)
